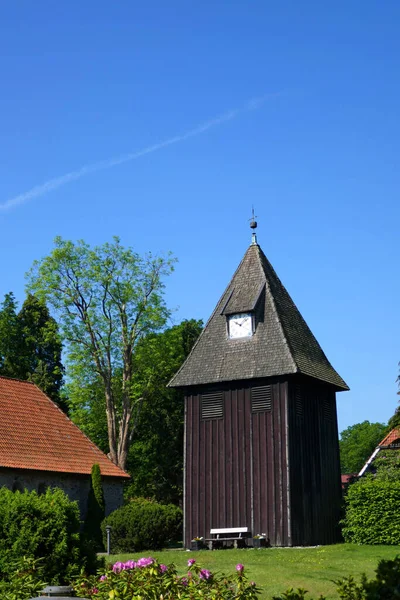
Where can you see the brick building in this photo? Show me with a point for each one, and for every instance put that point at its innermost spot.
(41, 447)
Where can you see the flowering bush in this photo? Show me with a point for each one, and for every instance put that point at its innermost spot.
(148, 579)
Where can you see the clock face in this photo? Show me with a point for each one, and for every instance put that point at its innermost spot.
(240, 326)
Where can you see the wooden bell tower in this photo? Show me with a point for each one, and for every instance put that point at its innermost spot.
(261, 438)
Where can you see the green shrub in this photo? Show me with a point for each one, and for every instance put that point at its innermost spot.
(299, 594)
(45, 526)
(25, 580)
(147, 579)
(95, 510)
(372, 509)
(385, 586)
(143, 525)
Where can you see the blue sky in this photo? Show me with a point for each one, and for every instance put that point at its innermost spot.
(318, 155)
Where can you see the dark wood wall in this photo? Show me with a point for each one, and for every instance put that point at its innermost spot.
(315, 488)
(236, 461)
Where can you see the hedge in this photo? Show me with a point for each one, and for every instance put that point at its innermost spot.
(372, 512)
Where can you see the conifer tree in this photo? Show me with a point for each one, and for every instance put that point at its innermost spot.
(10, 347)
(95, 509)
(41, 348)
(30, 345)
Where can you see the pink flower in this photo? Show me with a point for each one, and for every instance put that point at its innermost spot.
(253, 583)
(95, 591)
(184, 581)
(191, 562)
(239, 568)
(145, 562)
(205, 574)
(117, 567)
(130, 564)
(163, 568)
(103, 577)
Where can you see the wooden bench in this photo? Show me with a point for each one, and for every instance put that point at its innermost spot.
(236, 535)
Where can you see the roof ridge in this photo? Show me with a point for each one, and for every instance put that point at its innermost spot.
(395, 429)
(210, 318)
(284, 335)
(295, 355)
(17, 379)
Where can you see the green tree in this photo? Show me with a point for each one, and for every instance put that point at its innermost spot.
(357, 443)
(10, 346)
(41, 348)
(87, 406)
(156, 455)
(155, 458)
(394, 421)
(386, 465)
(107, 298)
(30, 345)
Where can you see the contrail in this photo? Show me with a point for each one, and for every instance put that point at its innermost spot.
(57, 182)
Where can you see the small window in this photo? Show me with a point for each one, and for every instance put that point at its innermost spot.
(212, 406)
(261, 399)
(327, 410)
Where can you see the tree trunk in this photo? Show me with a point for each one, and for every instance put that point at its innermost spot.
(123, 439)
(124, 425)
(111, 424)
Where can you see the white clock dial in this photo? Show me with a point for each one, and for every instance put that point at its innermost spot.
(240, 325)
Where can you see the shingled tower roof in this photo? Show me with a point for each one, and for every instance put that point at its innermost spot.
(282, 342)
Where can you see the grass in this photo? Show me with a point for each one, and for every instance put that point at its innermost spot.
(276, 569)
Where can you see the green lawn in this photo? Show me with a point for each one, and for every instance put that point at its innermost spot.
(276, 569)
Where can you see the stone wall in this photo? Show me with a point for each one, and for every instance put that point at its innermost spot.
(75, 486)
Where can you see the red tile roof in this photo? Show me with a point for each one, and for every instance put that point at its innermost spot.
(36, 434)
(391, 437)
(346, 478)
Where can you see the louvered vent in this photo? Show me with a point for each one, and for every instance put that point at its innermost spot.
(298, 402)
(261, 398)
(327, 410)
(212, 406)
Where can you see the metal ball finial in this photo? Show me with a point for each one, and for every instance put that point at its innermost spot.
(253, 225)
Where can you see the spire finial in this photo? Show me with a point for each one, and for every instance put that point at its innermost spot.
(253, 225)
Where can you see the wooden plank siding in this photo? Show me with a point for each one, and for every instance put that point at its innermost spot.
(275, 471)
(315, 497)
(236, 467)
